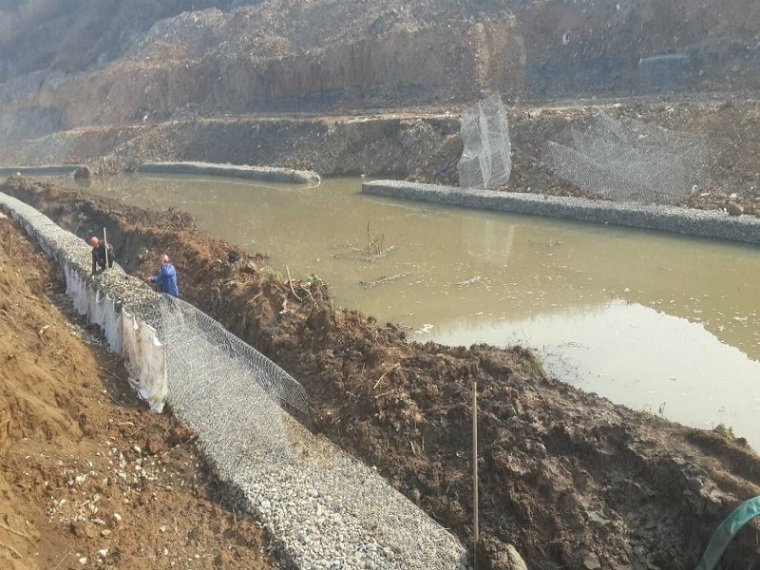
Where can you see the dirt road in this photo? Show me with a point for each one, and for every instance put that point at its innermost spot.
(88, 477)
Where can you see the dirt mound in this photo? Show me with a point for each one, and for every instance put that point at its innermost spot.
(86, 472)
(568, 478)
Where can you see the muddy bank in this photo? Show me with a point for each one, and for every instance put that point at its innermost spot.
(568, 478)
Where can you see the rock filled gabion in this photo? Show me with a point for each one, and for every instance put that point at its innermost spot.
(210, 368)
(325, 510)
(73, 253)
(261, 173)
(687, 221)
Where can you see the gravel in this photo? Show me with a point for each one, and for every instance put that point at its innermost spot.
(332, 511)
(687, 221)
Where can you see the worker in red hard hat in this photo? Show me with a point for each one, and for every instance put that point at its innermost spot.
(100, 255)
(166, 277)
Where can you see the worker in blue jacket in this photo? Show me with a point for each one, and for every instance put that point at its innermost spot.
(167, 277)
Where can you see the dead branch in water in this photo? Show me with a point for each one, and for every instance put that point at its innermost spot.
(290, 282)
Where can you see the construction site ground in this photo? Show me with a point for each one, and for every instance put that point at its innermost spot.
(568, 478)
(349, 88)
(88, 477)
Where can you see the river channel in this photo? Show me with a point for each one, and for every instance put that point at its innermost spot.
(654, 321)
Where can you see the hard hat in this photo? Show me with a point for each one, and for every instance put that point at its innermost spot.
(94, 241)
(164, 258)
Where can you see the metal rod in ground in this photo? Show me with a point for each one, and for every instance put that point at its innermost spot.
(105, 246)
(475, 472)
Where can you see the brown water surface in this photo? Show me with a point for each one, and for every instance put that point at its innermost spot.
(653, 321)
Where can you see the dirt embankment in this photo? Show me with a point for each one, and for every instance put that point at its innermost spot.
(89, 478)
(422, 147)
(206, 86)
(570, 479)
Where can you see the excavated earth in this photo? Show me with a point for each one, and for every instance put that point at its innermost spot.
(89, 478)
(570, 479)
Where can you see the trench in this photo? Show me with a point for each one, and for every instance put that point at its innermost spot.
(656, 322)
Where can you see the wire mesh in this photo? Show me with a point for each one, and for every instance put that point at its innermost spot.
(225, 388)
(307, 490)
(632, 161)
(486, 160)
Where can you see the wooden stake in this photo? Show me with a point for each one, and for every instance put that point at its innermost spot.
(475, 471)
(105, 245)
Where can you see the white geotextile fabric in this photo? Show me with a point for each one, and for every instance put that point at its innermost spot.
(99, 308)
(146, 360)
(113, 328)
(76, 288)
(134, 340)
(148, 376)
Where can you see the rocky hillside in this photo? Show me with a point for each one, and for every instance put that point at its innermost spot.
(72, 64)
(73, 35)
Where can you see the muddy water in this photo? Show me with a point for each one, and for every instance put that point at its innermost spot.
(652, 321)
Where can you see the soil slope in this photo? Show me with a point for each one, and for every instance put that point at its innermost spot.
(89, 478)
(568, 478)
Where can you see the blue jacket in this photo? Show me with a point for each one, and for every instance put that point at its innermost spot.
(167, 277)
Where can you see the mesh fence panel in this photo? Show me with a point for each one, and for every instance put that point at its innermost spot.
(320, 503)
(632, 161)
(486, 161)
(229, 391)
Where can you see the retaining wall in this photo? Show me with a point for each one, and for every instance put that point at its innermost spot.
(264, 173)
(687, 221)
(48, 170)
(102, 298)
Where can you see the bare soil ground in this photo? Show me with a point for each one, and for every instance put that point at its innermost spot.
(570, 479)
(89, 478)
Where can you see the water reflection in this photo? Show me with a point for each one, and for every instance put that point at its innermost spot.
(628, 310)
(633, 354)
